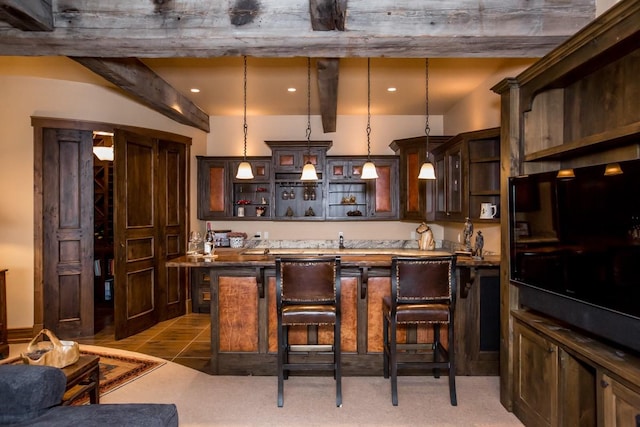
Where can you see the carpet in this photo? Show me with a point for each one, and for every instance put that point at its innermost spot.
(116, 370)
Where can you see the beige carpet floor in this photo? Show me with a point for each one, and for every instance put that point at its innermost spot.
(205, 400)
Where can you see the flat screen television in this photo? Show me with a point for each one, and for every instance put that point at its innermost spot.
(575, 248)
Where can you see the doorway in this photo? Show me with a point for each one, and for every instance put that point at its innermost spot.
(150, 219)
(103, 258)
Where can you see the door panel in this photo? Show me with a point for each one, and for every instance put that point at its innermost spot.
(171, 194)
(68, 232)
(135, 234)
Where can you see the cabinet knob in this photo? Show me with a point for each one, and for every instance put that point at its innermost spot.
(604, 384)
(550, 350)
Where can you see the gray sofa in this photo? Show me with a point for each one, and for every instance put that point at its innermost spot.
(31, 396)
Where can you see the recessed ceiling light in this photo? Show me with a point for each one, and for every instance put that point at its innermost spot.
(291, 89)
(391, 89)
(195, 90)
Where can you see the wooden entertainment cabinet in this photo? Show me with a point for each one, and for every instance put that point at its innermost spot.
(577, 106)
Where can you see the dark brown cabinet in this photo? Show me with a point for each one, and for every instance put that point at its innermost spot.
(467, 175)
(564, 378)
(214, 183)
(294, 199)
(351, 197)
(251, 198)
(450, 182)
(277, 193)
(416, 195)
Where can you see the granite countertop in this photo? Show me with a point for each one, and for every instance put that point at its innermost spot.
(357, 257)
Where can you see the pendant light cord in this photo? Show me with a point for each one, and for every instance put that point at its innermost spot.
(309, 106)
(368, 109)
(426, 104)
(245, 108)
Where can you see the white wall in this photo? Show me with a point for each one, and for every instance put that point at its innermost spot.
(23, 97)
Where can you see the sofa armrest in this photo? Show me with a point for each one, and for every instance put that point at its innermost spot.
(27, 391)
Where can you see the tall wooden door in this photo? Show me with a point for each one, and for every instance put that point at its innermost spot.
(150, 225)
(67, 224)
(172, 200)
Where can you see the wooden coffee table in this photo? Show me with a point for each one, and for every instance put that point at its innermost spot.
(82, 377)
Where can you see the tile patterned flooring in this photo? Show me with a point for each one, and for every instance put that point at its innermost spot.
(185, 340)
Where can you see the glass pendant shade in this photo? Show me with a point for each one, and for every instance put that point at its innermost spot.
(369, 171)
(612, 169)
(244, 171)
(427, 171)
(309, 173)
(565, 174)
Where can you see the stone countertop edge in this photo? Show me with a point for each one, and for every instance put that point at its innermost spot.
(235, 258)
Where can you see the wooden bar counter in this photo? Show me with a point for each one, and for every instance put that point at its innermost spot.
(243, 313)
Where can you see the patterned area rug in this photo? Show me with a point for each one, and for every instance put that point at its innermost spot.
(115, 370)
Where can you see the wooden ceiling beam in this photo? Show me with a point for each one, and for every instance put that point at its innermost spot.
(27, 15)
(328, 15)
(328, 70)
(134, 77)
(277, 28)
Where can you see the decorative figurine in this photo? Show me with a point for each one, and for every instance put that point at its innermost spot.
(467, 233)
(426, 241)
(479, 244)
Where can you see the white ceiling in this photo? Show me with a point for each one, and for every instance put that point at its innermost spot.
(220, 82)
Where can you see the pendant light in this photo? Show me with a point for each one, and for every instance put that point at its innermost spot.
(427, 171)
(369, 169)
(244, 168)
(309, 170)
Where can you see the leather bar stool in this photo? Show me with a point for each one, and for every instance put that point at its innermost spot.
(423, 292)
(308, 294)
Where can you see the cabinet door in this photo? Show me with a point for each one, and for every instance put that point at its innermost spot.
(412, 190)
(450, 200)
(535, 379)
(383, 204)
(213, 188)
(621, 405)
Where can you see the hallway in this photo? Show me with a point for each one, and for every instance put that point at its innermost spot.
(185, 340)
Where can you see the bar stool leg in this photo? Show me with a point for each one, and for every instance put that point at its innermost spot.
(394, 364)
(336, 359)
(281, 356)
(385, 346)
(437, 348)
(452, 367)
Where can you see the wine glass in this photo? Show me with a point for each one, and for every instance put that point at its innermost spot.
(292, 194)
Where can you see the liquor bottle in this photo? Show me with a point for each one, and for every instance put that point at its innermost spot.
(208, 241)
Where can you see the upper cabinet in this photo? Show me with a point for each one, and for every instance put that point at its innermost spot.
(277, 193)
(349, 197)
(416, 202)
(468, 177)
(450, 188)
(467, 168)
(213, 188)
(295, 199)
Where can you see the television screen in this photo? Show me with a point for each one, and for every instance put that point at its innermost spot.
(579, 237)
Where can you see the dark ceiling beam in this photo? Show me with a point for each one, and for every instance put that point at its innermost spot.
(328, 15)
(27, 15)
(139, 81)
(328, 69)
